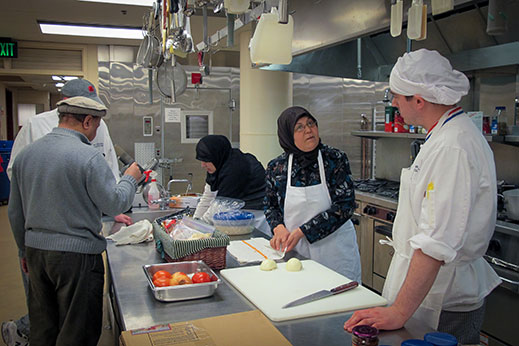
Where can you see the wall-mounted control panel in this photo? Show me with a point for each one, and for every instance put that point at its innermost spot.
(147, 126)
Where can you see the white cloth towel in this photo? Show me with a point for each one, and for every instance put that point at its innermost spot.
(139, 232)
(248, 251)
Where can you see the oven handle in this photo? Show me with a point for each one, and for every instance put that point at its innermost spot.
(501, 263)
(516, 283)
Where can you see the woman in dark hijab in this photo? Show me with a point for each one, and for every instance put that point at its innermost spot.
(230, 173)
(310, 196)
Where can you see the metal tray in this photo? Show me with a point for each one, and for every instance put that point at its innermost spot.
(181, 292)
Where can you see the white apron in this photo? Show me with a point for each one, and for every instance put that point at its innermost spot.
(404, 228)
(338, 251)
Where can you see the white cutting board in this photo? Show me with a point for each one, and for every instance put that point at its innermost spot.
(270, 290)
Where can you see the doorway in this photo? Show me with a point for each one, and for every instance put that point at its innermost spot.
(9, 114)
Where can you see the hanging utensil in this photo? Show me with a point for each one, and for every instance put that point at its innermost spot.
(423, 33)
(414, 20)
(396, 17)
(163, 76)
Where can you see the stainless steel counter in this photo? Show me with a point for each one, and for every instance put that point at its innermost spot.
(135, 307)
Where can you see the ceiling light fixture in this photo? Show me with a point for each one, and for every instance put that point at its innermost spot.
(91, 31)
(125, 2)
(61, 78)
(59, 85)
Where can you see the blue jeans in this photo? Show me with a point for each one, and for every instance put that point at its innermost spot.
(65, 297)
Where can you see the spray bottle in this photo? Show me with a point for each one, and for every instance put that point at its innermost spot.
(153, 191)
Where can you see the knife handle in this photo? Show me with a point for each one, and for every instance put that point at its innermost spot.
(345, 287)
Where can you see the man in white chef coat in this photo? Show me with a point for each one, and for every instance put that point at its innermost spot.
(446, 208)
(37, 127)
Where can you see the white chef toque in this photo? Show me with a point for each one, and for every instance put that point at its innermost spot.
(430, 75)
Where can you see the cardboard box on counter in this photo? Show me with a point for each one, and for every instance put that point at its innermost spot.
(244, 329)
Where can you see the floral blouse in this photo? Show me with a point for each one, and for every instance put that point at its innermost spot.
(340, 187)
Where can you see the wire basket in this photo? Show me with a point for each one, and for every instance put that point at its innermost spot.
(211, 250)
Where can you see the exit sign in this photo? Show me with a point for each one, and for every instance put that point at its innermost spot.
(8, 48)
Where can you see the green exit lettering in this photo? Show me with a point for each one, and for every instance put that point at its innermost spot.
(6, 49)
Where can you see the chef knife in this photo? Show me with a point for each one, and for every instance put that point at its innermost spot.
(322, 294)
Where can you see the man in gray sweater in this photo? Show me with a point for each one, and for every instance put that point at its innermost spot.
(60, 187)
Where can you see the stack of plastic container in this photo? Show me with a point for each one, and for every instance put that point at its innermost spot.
(5, 154)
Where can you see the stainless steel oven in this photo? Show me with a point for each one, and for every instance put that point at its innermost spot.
(375, 222)
(502, 307)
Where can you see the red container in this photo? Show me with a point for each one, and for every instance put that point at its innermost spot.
(399, 125)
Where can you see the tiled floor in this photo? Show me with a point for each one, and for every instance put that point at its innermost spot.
(13, 297)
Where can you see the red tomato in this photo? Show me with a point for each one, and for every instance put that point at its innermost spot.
(201, 277)
(161, 282)
(162, 274)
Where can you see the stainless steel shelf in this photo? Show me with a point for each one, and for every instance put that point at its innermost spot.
(382, 134)
(511, 139)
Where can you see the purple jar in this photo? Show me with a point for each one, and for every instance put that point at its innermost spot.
(364, 336)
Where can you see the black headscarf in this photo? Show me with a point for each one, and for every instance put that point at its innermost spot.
(286, 124)
(215, 149)
(237, 175)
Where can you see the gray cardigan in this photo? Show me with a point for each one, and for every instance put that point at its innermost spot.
(60, 187)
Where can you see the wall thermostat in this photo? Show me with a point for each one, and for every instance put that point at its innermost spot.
(147, 126)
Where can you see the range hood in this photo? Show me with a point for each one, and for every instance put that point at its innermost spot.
(328, 34)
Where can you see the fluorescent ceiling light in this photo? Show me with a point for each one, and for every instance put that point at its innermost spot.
(67, 78)
(125, 2)
(59, 85)
(91, 31)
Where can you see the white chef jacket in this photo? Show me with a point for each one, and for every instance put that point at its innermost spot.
(452, 191)
(43, 123)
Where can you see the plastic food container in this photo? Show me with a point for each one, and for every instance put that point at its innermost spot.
(181, 292)
(234, 222)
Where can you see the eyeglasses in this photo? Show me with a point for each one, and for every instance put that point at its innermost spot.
(301, 127)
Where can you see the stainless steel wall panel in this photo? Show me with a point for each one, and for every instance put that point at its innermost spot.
(337, 104)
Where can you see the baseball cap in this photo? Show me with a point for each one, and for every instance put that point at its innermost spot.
(81, 105)
(80, 87)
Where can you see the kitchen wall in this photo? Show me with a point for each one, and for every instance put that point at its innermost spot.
(338, 102)
(123, 87)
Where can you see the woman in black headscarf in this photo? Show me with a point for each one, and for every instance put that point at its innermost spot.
(230, 173)
(310, 196)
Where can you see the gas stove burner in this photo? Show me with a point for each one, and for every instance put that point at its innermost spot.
(381, 187)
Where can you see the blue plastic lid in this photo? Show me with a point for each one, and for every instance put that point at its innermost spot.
(415, 342)
(234, 215)
(441, 339)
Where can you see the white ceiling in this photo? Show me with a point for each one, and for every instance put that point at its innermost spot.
(19, 21)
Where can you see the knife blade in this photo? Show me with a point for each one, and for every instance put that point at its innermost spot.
(322, 294)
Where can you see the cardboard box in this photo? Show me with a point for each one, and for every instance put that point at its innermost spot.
(249, 328)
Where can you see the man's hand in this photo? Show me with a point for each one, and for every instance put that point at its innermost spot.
(293, 239)
(23, 261)
(421, 274)
(123, 219)
(280, 237)
(381, 318)
(134, 171)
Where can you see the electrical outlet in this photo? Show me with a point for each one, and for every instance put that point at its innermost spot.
(157, 129)
(157, 152)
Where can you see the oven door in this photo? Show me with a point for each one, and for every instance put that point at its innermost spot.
(382, 254)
